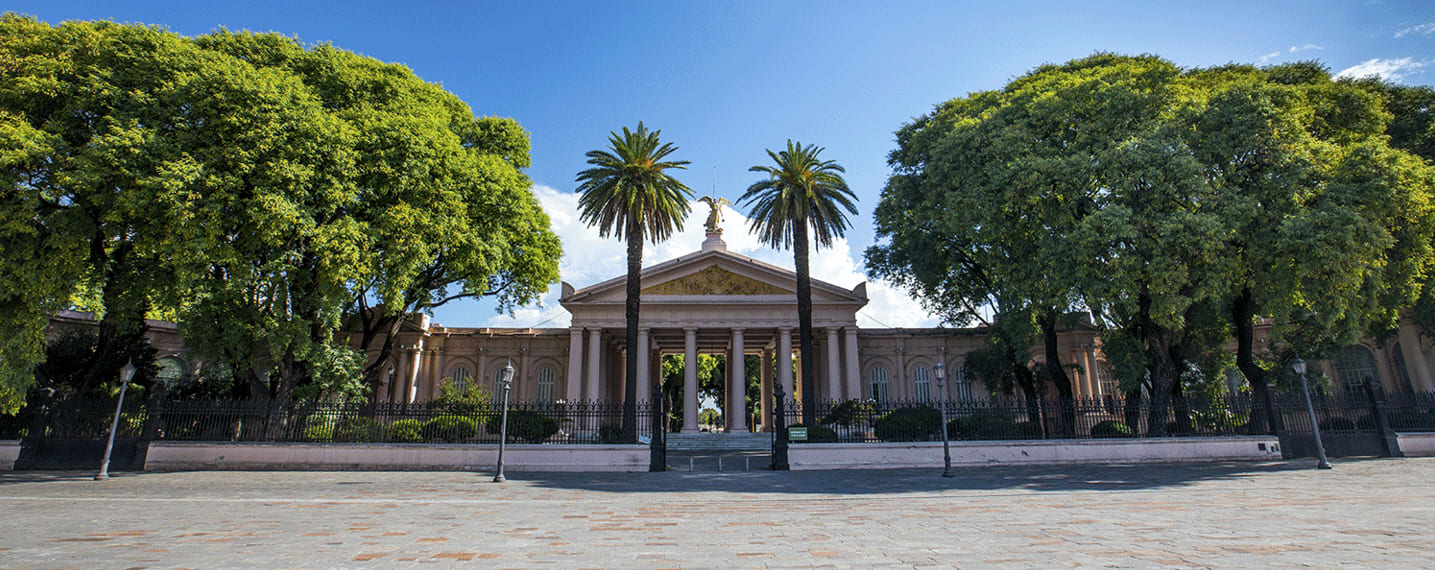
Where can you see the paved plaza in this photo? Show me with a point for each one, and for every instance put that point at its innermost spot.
(1363, 514)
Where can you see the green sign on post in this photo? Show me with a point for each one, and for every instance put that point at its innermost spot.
(797, 434)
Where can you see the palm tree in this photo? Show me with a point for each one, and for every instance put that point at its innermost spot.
(800, 191)
(628, 194)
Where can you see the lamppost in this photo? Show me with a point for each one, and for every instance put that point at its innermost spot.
(1299, 366)
(941, 371)
(127, 373)
(505, 377)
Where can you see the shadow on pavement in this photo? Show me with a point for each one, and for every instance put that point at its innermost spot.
(1040, 478)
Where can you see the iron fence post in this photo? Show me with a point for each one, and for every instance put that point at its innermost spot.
(657, 445)
(779, 421)
(1389, 443)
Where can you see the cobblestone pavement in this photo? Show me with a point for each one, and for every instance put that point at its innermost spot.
(1367, 513)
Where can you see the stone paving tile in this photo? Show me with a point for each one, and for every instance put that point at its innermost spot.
(1371, 514)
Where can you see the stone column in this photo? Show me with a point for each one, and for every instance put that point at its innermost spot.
(573, 383)
(645, 381)
(784, 362)
(853, 372)
(481, 375)
(765, 374)
(834, 368)
(436, 376)
(690, 380)
(897, 383)
(1093, 372)
(522, 378)
(387, 391)
(406, 394)
(595, 349)
(1415, 364)
(736, 387)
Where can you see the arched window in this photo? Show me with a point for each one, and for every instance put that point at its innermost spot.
(460, 378)
(1354, 367)
(961, 384)
(878, 386)
(922, 384)
(545, 385)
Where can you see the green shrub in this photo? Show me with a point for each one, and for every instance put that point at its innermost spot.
(319, 429)
(1026, 430)
(406, 431)
(908, 424)
(524, 426)
(1178, 427)
(359, 429)
(984, 424)
(817, 434)
(610, 433)
(850, 413)
(1337, 424)
(471, 400)
(449, 428)
(1111, 429)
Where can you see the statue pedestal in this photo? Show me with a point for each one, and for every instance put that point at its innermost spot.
(714, 241)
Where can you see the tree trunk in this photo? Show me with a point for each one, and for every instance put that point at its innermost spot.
(375, 372)
(1162, 368)
(1057, 373)
(1243, 318)
(630, 369)
(804, 323)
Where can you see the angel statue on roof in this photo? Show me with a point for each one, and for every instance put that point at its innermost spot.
(715, 215)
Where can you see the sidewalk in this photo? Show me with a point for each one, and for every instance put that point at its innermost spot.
(1369, 513)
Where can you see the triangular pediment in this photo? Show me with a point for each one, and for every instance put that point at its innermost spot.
(717, 275)
(714, 280)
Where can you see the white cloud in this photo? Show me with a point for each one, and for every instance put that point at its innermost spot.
(1387, 69)
(589, 259)
(1422, 29)
(1293, 50)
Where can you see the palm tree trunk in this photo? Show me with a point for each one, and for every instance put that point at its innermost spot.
(804, 323)
(630, 368)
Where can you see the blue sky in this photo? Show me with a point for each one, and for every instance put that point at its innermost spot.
(727, 80)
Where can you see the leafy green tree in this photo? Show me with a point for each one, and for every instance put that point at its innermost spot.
(252, 188)
(629, 194)
(1153, 197)
(801, 192)
(82, 112)
(445, 209)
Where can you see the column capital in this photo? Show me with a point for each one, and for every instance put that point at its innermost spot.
(737, 330)
(690, 330)
(785, 330)
(575, 330)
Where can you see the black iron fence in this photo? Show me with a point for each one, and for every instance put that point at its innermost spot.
(1110, 417)
(330, 421)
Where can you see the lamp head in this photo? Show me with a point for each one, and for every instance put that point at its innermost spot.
(1299, 366)
(506, 374)
(127, 372)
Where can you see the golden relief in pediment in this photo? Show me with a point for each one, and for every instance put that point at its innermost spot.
(714, 281)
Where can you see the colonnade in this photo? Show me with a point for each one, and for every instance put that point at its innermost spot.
(588, 353)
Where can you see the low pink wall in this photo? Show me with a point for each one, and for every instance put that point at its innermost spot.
(1417, 444)
(929, 454)
(174, 456)
(9, 452)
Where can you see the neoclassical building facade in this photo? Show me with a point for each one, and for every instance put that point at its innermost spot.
(714, 301)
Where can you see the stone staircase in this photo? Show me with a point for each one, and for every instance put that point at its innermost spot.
(716, 442)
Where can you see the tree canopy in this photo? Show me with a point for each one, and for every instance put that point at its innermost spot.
(1163, 201)
(253, 188)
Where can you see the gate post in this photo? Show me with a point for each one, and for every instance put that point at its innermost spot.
(658, 444)
(779, 423)
(1389, 443)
